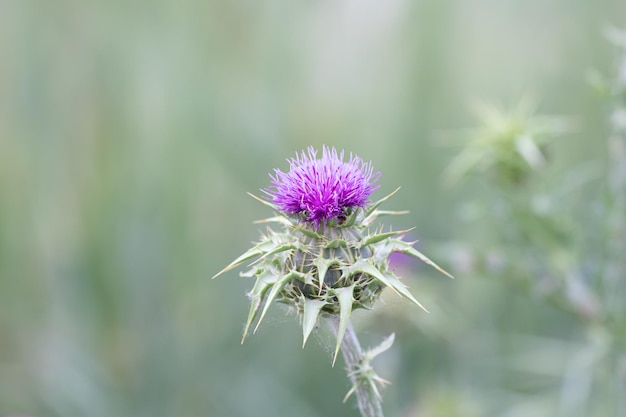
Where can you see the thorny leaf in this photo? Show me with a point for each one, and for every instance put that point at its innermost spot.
(371, 239)
(278, 285)
(382, 347)
(408, 249)
(388, 279)
(371, 208)
(263, 282)
(265, 202)
(311, 312)
(345, 298)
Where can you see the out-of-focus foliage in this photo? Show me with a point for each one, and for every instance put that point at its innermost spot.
(131, 131)
(509, 146)
(543, 251)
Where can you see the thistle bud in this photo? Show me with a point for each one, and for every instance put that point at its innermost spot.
(510, 145)
(326, 259)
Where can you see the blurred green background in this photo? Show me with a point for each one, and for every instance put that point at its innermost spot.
(130, 132)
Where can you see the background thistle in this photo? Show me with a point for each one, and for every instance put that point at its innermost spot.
(326, 260)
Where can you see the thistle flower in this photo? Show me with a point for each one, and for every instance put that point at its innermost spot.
(331, 270)
(321, 190)
(326, 261)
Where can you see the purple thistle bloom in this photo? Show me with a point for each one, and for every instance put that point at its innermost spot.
(321, 189)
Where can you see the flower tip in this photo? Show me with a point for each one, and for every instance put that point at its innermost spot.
(259, 199)
(443, 271)
(220, 273)
(334, 358)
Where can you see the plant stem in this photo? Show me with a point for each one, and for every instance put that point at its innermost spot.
(616, 211)
(367, 400)
(616, 216)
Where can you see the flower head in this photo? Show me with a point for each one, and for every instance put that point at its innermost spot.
(341, 266)
(319, 190)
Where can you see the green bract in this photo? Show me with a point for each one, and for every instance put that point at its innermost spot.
(333, 270)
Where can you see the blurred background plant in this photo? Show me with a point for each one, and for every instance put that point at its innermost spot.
(130, 133)
(538, 242)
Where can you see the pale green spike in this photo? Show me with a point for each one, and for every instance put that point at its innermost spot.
(250, 272)
(265, 202)
(382, 347)
(336, 243)
(370, 240)
(400, 288)
(389, 280)
(250, 253)
(408, 249)
(262, 284)
(278, 285)
(312, 309)
(277, 219)
(309, 279)
(276, 250)
(379, 213)
(390, 212)
(371, 208)
(308, 232)
(345, 297)
(261, 248)
(306, 278)
(322, 265)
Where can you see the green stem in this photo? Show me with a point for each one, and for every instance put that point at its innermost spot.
(367, 400)
(616, 262)
(616, 268)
